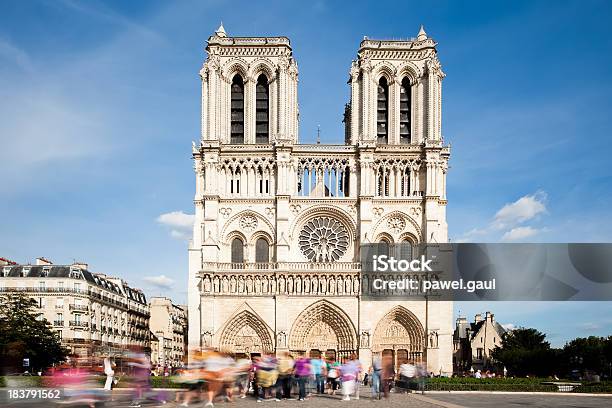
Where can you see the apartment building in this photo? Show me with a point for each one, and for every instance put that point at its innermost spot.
(168, 323)
(93, 314)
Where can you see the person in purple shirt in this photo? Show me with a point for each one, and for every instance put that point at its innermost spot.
(302, 372)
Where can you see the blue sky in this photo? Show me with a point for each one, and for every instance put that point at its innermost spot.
(99, 104)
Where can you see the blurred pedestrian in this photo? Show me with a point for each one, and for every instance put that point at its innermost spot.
(302, 373)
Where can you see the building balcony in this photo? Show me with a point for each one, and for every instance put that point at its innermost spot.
(79, 308)
(58, 323)
(74, 323)
(45, 290)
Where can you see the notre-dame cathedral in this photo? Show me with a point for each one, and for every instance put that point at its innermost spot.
(274, 260)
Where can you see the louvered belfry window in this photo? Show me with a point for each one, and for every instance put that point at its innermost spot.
(405, 101)
(262, 110)
(237, 119)
(382, 117)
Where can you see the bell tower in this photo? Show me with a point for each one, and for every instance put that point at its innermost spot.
(395, 92)
(249, 90)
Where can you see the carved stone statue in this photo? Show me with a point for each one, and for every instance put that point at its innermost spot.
(281, 340)
(364, 340)
(207, 284)
(281, 285)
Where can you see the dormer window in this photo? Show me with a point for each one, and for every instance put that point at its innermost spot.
(45, 271)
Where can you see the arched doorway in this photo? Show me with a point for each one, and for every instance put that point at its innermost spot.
(400, 335)
(323, 328)
(246, 334)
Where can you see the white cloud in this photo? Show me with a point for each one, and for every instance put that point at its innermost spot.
(161, 281)
(509, 218)
(519, 233)
(524, 209)
(509, 326)
(180, 222)
(177, 219)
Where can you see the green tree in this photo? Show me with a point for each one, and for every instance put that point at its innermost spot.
(525, 351)
(589, 353)
(24, 334)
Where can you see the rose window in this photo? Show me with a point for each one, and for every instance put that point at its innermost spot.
(323, 239)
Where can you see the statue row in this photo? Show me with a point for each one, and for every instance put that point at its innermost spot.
(272, 284)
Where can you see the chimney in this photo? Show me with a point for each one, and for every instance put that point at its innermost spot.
(478, 318)
(489, 316)
(43, 261)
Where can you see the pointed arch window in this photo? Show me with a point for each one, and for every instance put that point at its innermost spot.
(383, 247)
(237, 250)
(237, 114)
(382, 112)
(262, 250)
(406, 250)
(262, 110)
(405, 102)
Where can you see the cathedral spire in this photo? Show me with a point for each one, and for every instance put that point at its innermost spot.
(422, 35)
(221, 31)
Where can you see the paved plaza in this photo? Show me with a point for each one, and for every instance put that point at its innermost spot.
(429, 400)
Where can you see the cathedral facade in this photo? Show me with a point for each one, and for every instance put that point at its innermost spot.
(274, 260)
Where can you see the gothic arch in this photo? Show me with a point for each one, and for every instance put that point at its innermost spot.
(386, 236)
(399, 328)
(233, 67)
(407, 236)
(327, 211)
(337, 330)
(262, 66)
(261, 234)
(410, 70)
(384, 69)
(246, 333)
(233, 225)
(412, 227)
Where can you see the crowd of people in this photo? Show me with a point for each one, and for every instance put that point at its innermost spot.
(212, 376)
(215, 375)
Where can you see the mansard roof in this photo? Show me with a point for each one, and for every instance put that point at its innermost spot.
(67, 271)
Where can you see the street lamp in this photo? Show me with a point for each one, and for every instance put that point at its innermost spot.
(505, 371)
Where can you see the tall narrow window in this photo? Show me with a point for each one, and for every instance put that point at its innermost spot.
(405, 100)
(382, 118)
(383, 247)
(262, 110)
(262, 250)
(237, 119)
(237, 251)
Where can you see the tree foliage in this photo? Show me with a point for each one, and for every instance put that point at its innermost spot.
(592, 354)
(525, 351)
(25, 334)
